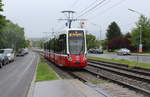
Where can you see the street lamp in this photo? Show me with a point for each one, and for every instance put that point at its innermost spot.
(140, 45)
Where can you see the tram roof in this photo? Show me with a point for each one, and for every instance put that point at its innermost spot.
(66, 29)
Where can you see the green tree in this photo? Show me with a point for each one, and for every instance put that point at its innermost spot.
(113, 31)
(142, 26)
(91, 41)
(13, 36)
(1, 5)
(104, 43)
(2, 24)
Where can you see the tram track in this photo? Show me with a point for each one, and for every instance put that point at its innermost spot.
(124, 77)
(139, 86)
(137, 81)
(139, 70)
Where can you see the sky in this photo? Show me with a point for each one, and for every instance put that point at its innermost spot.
(40, 17)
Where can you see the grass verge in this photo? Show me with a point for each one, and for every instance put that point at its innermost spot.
(44, 72)
(131, 64)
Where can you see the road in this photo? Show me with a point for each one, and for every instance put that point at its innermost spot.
(143, 59)
(15, 78)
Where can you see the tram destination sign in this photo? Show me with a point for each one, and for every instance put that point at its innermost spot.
(75, 33)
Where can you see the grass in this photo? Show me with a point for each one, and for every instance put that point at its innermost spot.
(131, 64)
(44, 72)
(143, 53)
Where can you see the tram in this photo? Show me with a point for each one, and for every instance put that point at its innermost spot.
(67, 48)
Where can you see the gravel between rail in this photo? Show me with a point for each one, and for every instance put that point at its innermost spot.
(140, 80)
(142, 87)
(87, 77)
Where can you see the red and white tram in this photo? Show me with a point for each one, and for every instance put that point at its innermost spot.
(68, 48)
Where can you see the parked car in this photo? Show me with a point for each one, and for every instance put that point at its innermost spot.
(4, 59)
(21, 52)
(26, 51)
(9, 53)
(96, 51)
(1, 63)
(123, 51)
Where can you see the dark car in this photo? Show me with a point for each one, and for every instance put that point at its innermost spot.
(1, 64)
(4, 59)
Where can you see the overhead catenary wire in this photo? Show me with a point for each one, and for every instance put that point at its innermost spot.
(74, 4)
(91, 8)
(102, 5)
(111, 7)
(91, 4)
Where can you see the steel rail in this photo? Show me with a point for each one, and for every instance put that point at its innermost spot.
(139, 70)
(124, 73)
(134, 87)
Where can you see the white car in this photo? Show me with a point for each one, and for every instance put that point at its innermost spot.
(10, 54)
(26, 51)
(123, 51)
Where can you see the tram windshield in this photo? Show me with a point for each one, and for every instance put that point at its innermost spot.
(76, 42)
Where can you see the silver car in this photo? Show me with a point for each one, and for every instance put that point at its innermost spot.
(123, 51)
(9, 53)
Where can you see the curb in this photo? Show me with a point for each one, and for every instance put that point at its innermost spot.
(140, 54)
(32, 85)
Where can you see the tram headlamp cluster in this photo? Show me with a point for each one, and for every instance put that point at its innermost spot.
(69, 58)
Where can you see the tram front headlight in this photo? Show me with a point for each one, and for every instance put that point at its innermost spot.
(69, 58)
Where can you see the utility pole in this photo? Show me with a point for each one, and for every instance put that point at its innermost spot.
(70, 18)
(100, 37)
(140, 45)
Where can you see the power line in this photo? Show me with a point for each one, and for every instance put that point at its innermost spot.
(108, 1)
(70, 18)
(113, 6)
(74, 3)
(88, 6)
(92, 8)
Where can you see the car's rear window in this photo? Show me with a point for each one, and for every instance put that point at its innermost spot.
(1, 51)
(7, 51)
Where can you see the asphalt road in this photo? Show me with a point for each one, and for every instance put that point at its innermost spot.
(143, 59)
(15, 78)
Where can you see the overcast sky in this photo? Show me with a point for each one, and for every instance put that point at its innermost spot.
(38, 16)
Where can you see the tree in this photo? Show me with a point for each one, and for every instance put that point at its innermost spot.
(120, 42)
(103, 43)
(13, 36)
(1, 4)
(142, 26)
(113, 31)
(91, 41)
(2, 24)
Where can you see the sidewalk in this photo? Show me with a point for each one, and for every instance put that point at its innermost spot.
(64, 88)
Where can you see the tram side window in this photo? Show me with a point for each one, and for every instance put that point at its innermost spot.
(62, 44)
(56, 46)
(48, 45)
(44, 46)
(52, 45)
